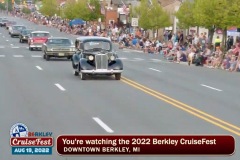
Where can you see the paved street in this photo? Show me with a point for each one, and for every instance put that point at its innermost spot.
(153, 97)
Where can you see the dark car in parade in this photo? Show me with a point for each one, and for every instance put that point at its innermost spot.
(3, 22)
(59, 47)
(15, 30)
(95, 56)
(24, 35)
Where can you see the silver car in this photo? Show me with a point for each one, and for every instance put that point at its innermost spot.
(15, 30)
(58, 47)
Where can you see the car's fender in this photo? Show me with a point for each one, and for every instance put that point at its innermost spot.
(118, 65)
(84, 65)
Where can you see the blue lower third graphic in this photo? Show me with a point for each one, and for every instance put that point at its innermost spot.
(31, 150)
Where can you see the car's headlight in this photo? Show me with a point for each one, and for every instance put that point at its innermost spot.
(90, 58)
(72, 49)
(112, 58)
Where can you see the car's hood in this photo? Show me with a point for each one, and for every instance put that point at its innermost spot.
(96, 52)
(59, 46)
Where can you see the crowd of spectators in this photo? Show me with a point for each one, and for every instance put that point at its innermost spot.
(177, 48)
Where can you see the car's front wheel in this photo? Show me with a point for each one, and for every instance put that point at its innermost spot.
(76, 73)
(82, 76)
(118, 76)
(47, 57)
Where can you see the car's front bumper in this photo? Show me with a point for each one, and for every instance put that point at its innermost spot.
(35, 46)
(15, 34)
(101, 71)
(60, 53)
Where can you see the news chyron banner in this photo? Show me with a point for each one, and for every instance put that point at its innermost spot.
(25, 142)
(145, 145)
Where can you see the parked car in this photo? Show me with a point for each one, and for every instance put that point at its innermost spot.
(10, 23)
(24, 35)
(3, 22)
(15, 30)
(95, 56)
(37, 39)
(58, 47)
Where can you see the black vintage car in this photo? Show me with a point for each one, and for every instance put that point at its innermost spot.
(95, 56)
(24, 35)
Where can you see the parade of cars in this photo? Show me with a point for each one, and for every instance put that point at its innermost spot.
(89, 55)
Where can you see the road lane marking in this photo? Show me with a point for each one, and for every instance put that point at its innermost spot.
(36, 56)
(155, 59)
(2, 55)
(2, 47)
(15, 47)
(11, 44)
(17, 56)
(122, 58)
(154, 69)
(140, 59)
(191, 110)
(103, 125)
(211, 87)
(60, 87)
(39, 68)
(7, 40)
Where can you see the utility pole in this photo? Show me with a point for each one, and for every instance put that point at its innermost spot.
(7, 7)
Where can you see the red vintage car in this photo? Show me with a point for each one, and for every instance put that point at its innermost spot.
(37, 39)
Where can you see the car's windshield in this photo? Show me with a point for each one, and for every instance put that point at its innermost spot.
(91, 45)
(60, 42)
(26, 32)
(41, 35)
(4, 20)
(19, 27)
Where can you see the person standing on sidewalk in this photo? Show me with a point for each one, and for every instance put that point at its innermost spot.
(217, 42)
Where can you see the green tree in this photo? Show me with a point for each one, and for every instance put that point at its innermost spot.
(2, 6)
(26, 10)
(96, 12)
(49, 7)
(151, 16)
(81, 10)
(185, 15)
(214, 14)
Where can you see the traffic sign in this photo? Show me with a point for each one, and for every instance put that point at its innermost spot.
(134, 22)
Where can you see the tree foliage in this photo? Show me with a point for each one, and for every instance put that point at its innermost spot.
(49, 7)
(151, 16)
(81, 10)
(26, 10)
(2, 6)
(214, 14)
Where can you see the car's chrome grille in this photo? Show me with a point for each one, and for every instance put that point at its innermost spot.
(101, 61)
(61, 49)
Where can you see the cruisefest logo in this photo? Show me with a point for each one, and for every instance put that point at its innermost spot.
(25, 142)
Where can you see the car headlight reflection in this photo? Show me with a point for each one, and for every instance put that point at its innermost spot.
(112, 58)
(90, 58)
